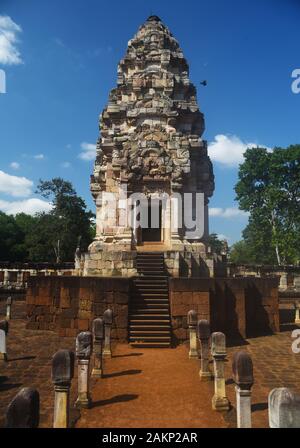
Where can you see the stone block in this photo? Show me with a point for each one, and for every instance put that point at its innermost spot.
(83, 324)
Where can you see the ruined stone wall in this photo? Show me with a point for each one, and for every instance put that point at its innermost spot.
(185, 295)
(238, 307)
(69, 304)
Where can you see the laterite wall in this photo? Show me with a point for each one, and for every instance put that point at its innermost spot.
(239, 307)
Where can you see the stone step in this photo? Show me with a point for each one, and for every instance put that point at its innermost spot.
(150, 317)
(146, 284)
(141, 311)
(149, 255)
(155, 307)
(148, 295)
(153, 302)
(150, 331)
(153, 277)
(148, 327)
(155, 321)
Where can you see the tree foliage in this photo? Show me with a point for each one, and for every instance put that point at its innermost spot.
(269, 189)
(49, 236)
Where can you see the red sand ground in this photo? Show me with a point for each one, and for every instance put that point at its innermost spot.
(152, 388)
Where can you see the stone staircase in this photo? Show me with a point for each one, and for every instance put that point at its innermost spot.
(149, 313)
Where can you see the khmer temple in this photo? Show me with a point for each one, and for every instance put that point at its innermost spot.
(150, 261)
(150, 144)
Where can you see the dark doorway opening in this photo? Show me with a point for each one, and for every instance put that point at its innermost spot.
(153, 231)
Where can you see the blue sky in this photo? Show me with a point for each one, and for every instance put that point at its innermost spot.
(60, 59)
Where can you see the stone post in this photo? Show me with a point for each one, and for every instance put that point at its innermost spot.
(297, 282)
(84, 343)
(242, 368)
(20, 279)
(98, 333)
(284, 408)
(62, 374)
(283, 281)
(192, 323)
(297, 312)
(8, 307)
(218, 350)
(204, 335)
(6, 277)
(3, 334)
(108, 320)
(24, 410)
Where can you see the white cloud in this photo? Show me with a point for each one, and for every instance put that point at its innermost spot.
(15, 165)
(65, 165)
(14, 185)
(89, 151)
(228, 213)
(28, 206)
(39, 156)
(222, 237)
(9, 31)
(229, 149)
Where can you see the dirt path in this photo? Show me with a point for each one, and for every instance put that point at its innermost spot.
(151, 388)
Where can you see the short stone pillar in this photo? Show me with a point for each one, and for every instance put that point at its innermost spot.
(3, 334)
(24, 410)
(62, 374)
(242, 369)
(84, 343)
(98, 334)
(297, 312)
(297, 282)
(192, 323)
(218, 350)
(108, 320)
(20, 278)
(204, 335)
(6, 278)
(8, 307)
(283, 283)
(284, 408)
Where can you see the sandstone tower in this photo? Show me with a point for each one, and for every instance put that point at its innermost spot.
(150, 144)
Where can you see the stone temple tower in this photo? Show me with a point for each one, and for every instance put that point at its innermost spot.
(150, 158)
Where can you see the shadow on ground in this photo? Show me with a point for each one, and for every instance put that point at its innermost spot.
(116, 399)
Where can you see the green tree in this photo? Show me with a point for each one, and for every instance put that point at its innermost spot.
(269, 188)
(66, 223)
(240, 253)
(10, 238)
(216, 244)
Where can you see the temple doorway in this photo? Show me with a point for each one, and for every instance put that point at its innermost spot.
(153, 231)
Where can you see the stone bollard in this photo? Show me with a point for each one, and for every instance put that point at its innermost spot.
(62, 374)
(108, 320)
(242, 368)
(218, 350)
(192, 323)
(6, 279)
(84, 343)
(204, 335)
(297, 312)
(284, 408)
(3, 333)
(98, 333)
(8, 307)
(20, 279)
(24, 410)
